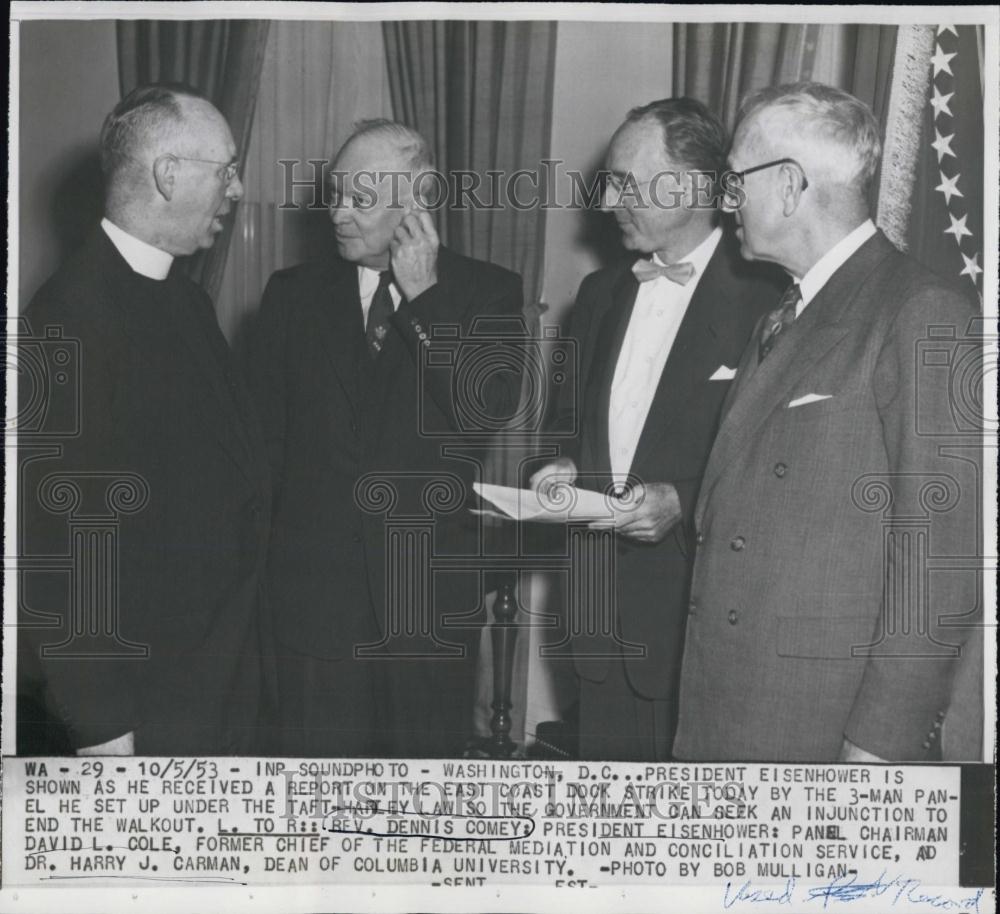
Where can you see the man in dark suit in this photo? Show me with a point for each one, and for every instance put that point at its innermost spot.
(659, 336)
(819, 627)
(358, 430)
(150, 480)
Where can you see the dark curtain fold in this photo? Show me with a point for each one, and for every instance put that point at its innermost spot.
(481, 92)
(222, 59)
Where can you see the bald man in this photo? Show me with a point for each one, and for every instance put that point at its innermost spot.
(346, 405)
(152, 645)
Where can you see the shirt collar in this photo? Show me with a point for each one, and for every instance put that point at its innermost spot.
(701, 255)
(368, 280)
(831, 261)
(143, 258)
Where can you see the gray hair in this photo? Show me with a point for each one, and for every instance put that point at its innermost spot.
(410, 144)
(840, 128)
(143, 117)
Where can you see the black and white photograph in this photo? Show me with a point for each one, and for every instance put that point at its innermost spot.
(500, 457)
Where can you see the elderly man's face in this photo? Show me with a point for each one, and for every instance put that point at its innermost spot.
(651, 205)
(365, 209)
(758, 219)
(203, 195)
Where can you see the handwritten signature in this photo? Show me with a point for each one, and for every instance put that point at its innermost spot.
(848, 888)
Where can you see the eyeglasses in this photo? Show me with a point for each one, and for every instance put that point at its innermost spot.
(732, 180)
(230, 169)
(618, 183)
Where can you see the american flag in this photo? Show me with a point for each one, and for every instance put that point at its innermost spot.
(946, 228)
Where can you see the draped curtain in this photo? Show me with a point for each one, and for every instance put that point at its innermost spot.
(721, 63)
(317, 80)
(222, 60)
(481, 92)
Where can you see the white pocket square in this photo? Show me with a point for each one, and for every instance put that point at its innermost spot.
(722, 373)
(809, 398)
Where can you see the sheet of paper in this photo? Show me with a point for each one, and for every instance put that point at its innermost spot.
(567, 504)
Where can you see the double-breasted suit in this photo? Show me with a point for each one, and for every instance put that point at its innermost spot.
(354, 443)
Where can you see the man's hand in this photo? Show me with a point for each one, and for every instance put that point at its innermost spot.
(561, 472)
(648, 514)
(120, 745)
(851, 753)
(413, 254)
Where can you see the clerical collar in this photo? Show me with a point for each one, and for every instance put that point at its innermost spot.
(143, 258)
(701, 255)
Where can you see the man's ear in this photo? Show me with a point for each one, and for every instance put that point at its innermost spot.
(165, 176)
(791, 188)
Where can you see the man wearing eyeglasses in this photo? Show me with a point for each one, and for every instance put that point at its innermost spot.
(819, 629)
(659, 335)
(157, 645)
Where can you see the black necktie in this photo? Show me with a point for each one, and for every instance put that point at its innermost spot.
(778, 320)
(379, 312)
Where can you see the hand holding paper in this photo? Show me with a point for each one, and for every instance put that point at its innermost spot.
(647, 514)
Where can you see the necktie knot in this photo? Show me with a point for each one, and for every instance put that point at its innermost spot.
(680, 273)
(778, 320)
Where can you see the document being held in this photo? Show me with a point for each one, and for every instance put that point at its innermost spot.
(563, 504)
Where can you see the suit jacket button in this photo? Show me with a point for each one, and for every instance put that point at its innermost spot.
(927, 744)
(699, 538)
(779, 470)
(692, 606)
(733, 617)
(737, 544)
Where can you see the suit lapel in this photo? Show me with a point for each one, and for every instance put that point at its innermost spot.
(610, 337)
(814, 333)
(691, 352)
(341, 326)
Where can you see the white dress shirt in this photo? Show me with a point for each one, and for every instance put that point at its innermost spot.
(143, 258)
(367, 284)
(830, 262)
(660, 305)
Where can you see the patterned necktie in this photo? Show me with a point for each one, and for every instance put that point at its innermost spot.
(778, 320)
(379, 312)
(680, 273)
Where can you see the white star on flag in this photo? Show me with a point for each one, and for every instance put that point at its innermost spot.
(949, 187)
(941, 29)
(957, 228)
(939, 103)
(972, 268)
(941, 61)
(942, 145)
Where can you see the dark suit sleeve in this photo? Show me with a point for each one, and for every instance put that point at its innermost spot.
(481, 300)
(266, 370)
(933, 471)
(95, 697)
